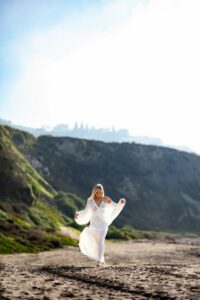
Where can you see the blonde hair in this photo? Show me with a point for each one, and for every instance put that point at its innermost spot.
(97, 186)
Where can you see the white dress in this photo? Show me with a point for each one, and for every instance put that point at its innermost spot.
(91, 241)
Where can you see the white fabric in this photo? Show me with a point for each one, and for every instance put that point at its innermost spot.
(91, 241)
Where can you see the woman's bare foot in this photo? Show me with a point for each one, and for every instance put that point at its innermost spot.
(100, 264)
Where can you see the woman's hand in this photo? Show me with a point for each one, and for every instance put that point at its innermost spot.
(107, 200)
(76, 215)
(122, 201)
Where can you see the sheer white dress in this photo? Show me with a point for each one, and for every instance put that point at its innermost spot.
(91, 240)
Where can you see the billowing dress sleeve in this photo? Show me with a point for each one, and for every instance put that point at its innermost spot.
(85, 214)
(115, 209)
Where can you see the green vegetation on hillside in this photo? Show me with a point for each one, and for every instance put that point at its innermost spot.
(44, 181)
(29, 220)
(161, 185)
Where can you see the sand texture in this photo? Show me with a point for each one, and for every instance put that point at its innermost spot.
(135, 270)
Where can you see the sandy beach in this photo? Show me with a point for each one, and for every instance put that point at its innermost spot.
(135, 270)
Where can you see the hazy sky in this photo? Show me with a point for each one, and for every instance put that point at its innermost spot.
(131, 64)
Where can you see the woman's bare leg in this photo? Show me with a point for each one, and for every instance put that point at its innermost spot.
(101, 249)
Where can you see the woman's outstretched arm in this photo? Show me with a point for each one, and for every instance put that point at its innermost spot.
(82, 217)
(116, 208)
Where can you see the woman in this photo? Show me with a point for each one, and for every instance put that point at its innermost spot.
(100, 211)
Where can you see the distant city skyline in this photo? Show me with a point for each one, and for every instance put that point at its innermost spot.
(125, 63)
(105, 134)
